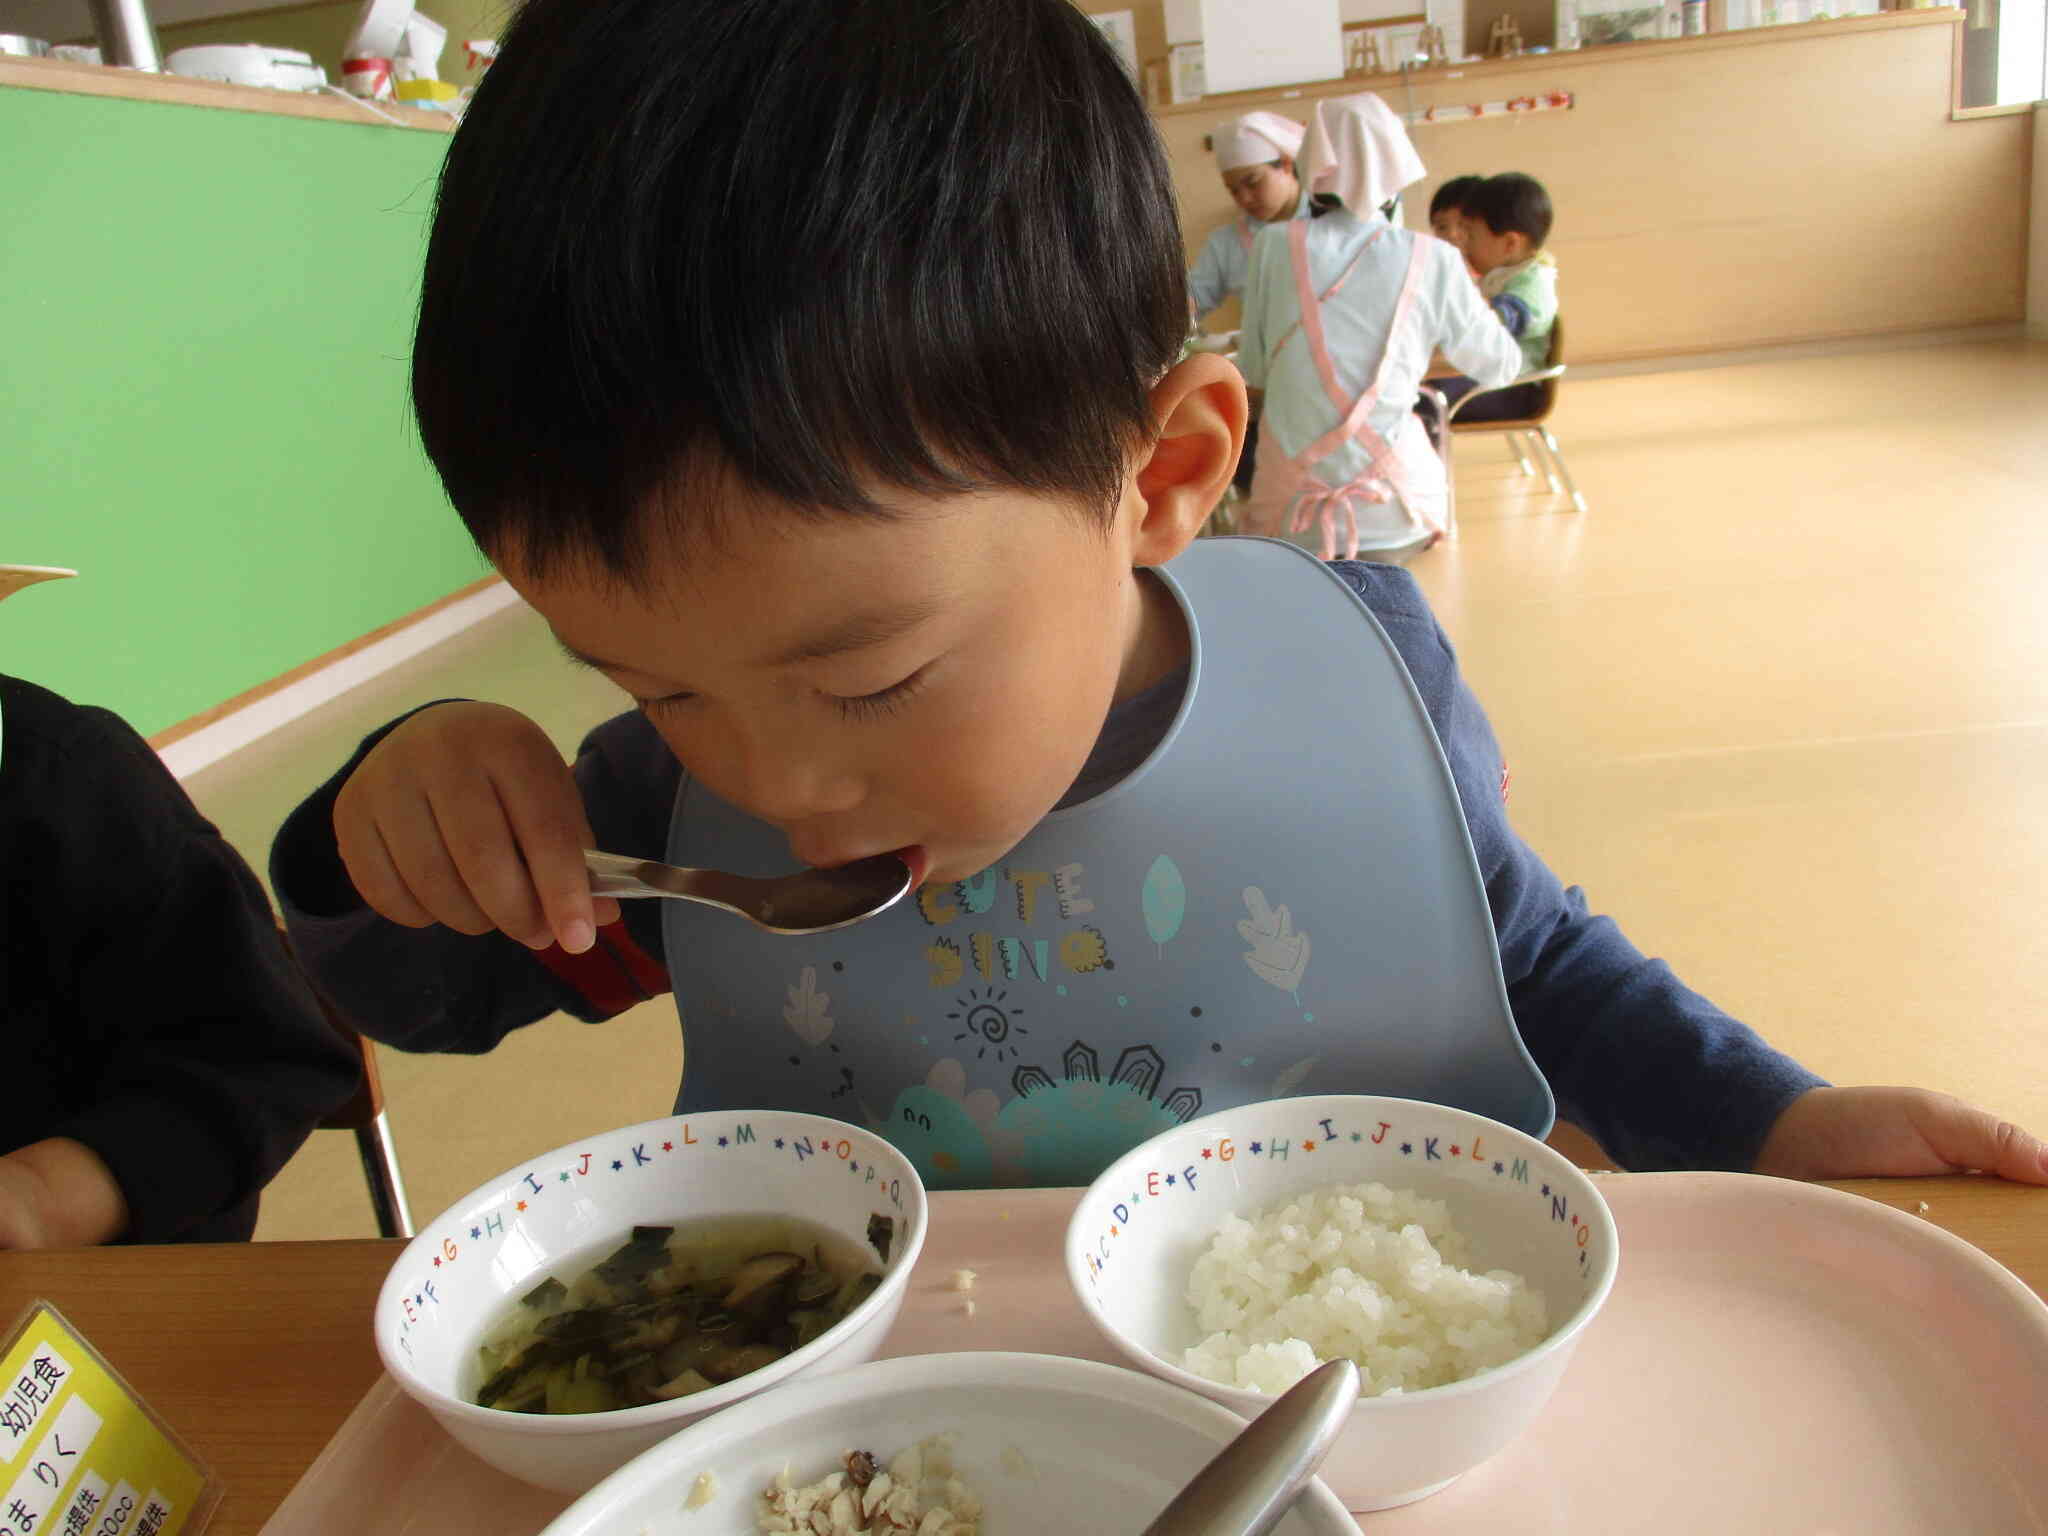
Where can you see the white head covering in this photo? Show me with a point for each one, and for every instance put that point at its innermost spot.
(1358, 148)
(1257, 138)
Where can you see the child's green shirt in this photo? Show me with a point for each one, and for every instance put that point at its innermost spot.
(1524, 295)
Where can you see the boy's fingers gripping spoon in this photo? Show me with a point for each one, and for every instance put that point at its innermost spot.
(809, 901)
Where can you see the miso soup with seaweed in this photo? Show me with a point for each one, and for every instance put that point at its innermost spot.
(675, 1310)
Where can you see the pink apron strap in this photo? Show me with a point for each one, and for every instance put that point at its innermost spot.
(1311, 304)
(1385, 474)
(1353, 424)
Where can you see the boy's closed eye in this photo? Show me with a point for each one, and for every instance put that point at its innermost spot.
(858, 666)
(882, 701)
(862, 705)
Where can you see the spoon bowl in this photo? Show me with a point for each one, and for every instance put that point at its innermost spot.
(809, 901)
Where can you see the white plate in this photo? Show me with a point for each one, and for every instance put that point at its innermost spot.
(1048, 1443)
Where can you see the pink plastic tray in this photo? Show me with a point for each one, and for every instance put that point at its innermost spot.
(1775, 1357)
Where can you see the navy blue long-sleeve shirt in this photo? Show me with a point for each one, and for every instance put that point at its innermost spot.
(1658, 1074)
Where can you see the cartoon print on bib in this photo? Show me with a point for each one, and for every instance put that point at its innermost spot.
(1053, 1130)
(1278, 954)
(1005, 951)
(1061, 1111)
(806, 1012)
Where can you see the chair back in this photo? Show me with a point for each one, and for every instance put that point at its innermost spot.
(1546, 393)
(363, 1113)
(359, 1111)
(1548, 397)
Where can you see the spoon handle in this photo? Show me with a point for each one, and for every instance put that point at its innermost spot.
(1252, 1481)
(613, 874)
(616, 875)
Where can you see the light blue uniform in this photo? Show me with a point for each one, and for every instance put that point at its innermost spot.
(1219, 272)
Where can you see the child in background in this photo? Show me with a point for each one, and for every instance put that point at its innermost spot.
(1506, 222)
(1447, 207)
(1342, 318)
(166, 1057)
(877, 495)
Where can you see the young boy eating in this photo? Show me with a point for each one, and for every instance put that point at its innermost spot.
(826, 401)
(1505, 221)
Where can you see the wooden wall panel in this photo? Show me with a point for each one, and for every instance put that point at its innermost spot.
(1728, 192)
(2037, 258)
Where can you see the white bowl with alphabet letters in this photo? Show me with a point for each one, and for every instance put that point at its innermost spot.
(1139, 1228)
(557, 1214)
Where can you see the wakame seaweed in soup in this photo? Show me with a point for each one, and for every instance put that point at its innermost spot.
(673, 1311)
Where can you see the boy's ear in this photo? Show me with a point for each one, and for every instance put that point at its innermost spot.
(1201, 410)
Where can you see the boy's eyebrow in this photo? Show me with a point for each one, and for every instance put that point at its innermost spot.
(583, 659)
(855, 632)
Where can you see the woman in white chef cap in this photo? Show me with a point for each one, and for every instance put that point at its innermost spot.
(1342, 313)
(1255, 154)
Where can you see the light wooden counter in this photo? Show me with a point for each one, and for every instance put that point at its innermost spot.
(178, 90)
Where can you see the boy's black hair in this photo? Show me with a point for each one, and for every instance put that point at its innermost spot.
(794, 248)
(1452, 194)
(1512, 202)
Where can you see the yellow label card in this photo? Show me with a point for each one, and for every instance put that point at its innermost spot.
(80, 1453)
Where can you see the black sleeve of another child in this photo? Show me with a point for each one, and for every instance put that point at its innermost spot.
(146, 986)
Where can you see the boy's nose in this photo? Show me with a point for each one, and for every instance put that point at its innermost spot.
(784, 783)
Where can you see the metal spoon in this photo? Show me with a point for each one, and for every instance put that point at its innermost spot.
(1253, 1481)
(809, 901)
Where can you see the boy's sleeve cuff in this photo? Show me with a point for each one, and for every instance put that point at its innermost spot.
(173, 1172)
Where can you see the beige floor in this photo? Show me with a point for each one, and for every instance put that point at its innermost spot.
(1779, 700)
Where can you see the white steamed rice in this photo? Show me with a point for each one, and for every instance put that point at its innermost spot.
(1363, 1271)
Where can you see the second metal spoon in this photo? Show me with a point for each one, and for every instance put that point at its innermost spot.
(1253, 1481)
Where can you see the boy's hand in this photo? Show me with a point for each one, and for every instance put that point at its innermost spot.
(466, 815)
(1881, 1133)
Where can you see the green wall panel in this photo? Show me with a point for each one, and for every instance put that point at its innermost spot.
(203, 396)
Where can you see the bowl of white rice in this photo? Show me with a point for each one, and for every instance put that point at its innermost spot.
(1455, 1259)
